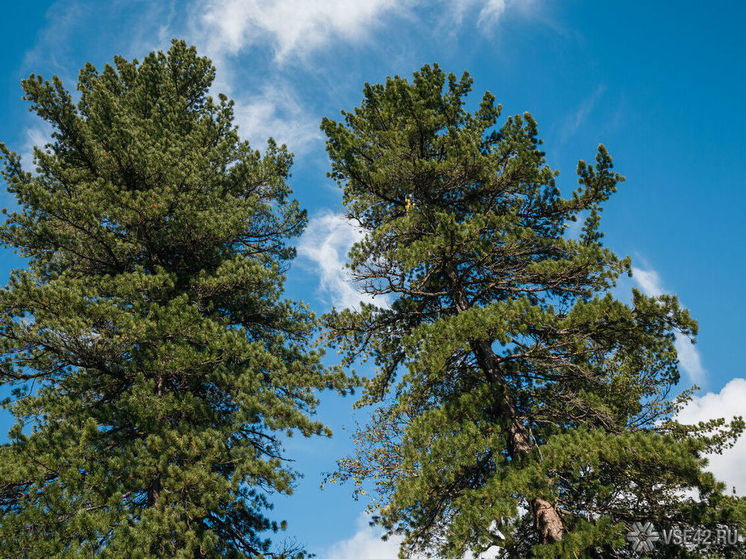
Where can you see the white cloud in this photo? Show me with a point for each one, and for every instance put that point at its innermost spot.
(492, 553)
(223, 29)
(488, 12)
(35, 136)
(689, 358)
(291, 26)
(298, 27)
(326, 242)
(492, 11)
(366, 543)
(276, 112)
(649, 281)
(727, 467)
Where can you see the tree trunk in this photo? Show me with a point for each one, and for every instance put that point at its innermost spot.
(154, 491)
(547, 521)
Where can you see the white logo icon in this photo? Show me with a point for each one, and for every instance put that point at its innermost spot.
(643, 536)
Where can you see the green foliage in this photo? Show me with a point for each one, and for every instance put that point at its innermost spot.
(155, 360)
(512, 390)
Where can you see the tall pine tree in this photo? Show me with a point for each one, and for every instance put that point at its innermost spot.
(519, 406)
(156, 364)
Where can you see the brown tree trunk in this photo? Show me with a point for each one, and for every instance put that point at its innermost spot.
(154, 491)
(547, 521)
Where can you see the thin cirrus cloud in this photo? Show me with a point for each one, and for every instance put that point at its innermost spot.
(293, 27)
(689, 358)
(575, 120)
(491, 11)
(275, 111)
(297, 27)
(38, 135)
(325, 243)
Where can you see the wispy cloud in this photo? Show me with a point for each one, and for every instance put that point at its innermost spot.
(53, 42)
(37, 135)
(491, 12)
(326, 243)
(277, 112)
(689, 358)
(295, 28)
(728, 466)
(290, 26)
(575, 120)
(488, 13)
(649, 281)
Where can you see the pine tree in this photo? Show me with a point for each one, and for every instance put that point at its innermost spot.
(156, 365)
(518, 405)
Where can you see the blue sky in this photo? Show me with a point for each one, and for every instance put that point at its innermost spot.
(661, 84)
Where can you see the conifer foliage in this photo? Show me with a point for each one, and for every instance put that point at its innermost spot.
(518, 405)
(155, 362)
